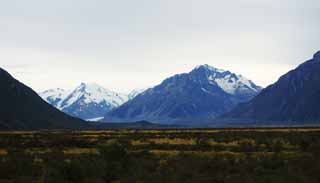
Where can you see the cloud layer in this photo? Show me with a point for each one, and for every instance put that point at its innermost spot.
(132, 44)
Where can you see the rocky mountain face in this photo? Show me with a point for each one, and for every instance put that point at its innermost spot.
(22, 109)
(200, 95)
(293, 99)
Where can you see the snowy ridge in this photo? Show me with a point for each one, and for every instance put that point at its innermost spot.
(54, 96)
(54, 93)
(208, 67)
(229, 82)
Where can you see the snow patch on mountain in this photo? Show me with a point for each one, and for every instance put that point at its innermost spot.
(95, 119)
(136, 92)
(231, 84)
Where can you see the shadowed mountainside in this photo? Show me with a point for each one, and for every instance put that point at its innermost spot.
(293, 99)
(22, 109)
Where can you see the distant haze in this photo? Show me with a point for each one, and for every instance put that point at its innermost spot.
(128, 44)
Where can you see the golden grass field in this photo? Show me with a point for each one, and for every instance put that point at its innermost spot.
(157, 141)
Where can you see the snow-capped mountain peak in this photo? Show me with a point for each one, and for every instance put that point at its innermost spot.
(87, 101)
(229, 82)
(92, 92)
(197, 96)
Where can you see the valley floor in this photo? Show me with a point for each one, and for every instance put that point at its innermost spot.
(168, 155)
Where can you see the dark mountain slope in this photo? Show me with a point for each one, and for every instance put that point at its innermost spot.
(193, 97)
(21, 108)
(294, 98)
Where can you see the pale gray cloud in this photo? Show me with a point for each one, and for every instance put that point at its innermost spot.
(129, 44)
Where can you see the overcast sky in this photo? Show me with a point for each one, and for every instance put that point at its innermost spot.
(127, 44)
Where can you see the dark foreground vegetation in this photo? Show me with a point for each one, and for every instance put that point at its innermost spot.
(161, 156)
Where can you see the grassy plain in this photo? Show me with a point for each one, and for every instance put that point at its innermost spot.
(161, 155)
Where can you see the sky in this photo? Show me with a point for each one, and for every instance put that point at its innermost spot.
(126, 44)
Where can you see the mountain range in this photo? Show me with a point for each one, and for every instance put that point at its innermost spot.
(22, 109)
(87, 101)
(200, 95)
(205, 96)
(292, 100)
